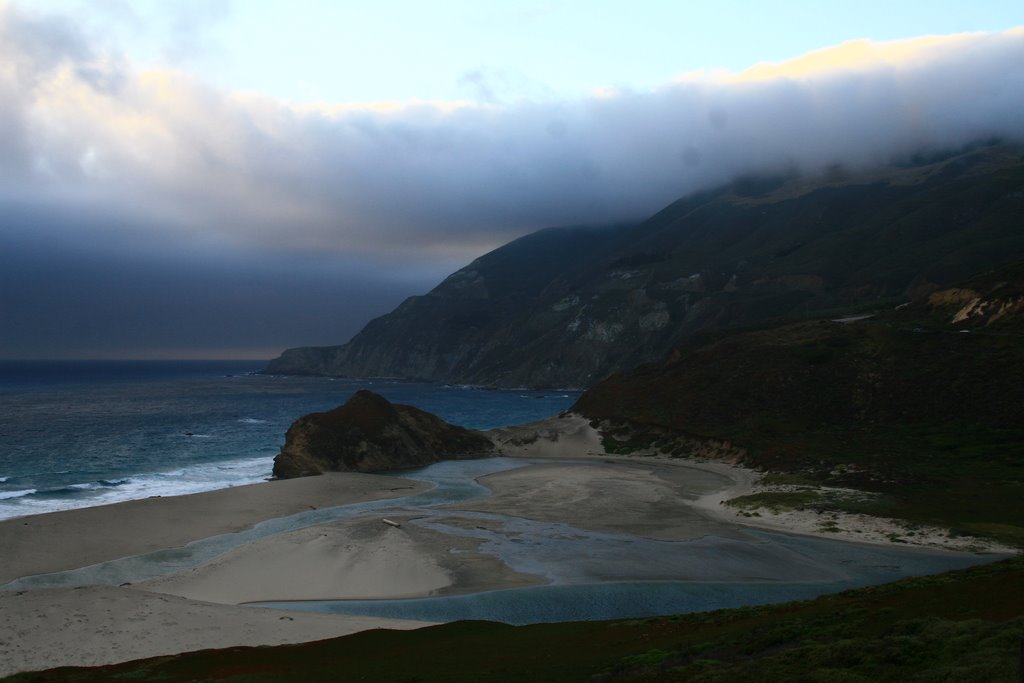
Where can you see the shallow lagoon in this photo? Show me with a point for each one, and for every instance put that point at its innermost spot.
(838, 566)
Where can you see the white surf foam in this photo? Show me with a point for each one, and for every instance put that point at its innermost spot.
(7, 495)
(192, 479)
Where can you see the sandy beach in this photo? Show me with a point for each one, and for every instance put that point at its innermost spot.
(357, 559)
(568, 494)
(572, 436)
(94, 625)
(58, 541)
(91, 625)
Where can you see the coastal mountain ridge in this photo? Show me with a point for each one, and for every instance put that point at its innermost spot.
(566, 307)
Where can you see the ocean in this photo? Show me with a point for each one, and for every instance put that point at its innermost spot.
(78, 434)
(81, 433)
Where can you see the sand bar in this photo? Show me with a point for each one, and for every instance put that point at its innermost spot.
(572, 436)
(94, 625)
(546, 521)
(59, 541)
(649, 499)
(353, 559)
(439, 553)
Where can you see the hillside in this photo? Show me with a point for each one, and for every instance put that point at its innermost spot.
(568, 306)
(923, 405)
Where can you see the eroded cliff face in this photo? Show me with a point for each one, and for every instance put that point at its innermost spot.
(567, 307)
(370, 434)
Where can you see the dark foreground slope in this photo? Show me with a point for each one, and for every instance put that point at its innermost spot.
(924, 404)
(566, 307)
(965, 626)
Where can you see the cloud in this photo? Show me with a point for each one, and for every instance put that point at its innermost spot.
(458, 177)
(116, 163)
(89, 294)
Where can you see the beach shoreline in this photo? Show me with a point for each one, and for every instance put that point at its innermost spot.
(71, 539)
(101, 624)
(649, 497)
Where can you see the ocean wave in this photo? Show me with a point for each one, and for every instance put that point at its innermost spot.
(252, 421)
(90, 486)
(7, 495)
(69, 490)
(4, 480)
(178, 482)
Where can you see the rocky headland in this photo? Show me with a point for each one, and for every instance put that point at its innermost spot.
(370, 434)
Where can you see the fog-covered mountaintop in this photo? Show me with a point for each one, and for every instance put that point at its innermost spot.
(568, 306)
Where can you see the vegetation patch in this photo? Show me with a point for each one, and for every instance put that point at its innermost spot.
(818, 499)
(777, 501)
(788, 479)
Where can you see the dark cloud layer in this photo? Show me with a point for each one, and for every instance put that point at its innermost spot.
(72, 299)
(174, 214)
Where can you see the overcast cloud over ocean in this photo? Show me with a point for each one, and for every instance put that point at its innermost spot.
(227, 220)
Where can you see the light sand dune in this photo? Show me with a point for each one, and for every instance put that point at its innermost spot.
(354, 559)
(59, 541)
(95, 625)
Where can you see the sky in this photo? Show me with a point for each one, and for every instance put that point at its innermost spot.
(218, 179)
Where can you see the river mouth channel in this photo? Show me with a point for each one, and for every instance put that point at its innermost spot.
(592, 551)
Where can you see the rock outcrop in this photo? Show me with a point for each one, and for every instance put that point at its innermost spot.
(566, 307)
(370, 434)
